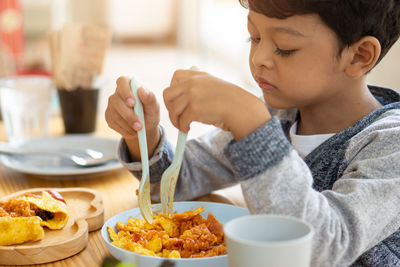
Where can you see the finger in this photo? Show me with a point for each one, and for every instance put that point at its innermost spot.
(185, 119)
(115, 126)
(177, 77)
(172, 92)
(124, 91)
(116, 122)
(176, 108)
(149, 100)
(181, 76)
(125, 131)
(125, 112)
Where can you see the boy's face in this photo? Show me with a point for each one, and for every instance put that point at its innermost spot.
(295, 60)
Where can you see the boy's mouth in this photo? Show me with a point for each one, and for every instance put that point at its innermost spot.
(264, 84)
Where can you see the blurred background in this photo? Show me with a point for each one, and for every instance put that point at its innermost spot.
(150, 39)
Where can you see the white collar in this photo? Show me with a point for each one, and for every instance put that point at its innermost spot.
(304, 144)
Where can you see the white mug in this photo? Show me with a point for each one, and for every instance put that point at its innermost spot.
(268, 240)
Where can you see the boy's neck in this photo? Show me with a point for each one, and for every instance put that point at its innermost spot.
(338, 113)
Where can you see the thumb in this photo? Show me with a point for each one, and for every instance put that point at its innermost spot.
(149, 101)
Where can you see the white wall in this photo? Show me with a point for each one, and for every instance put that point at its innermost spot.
(387, 72)
(126, 18)
(140, 18)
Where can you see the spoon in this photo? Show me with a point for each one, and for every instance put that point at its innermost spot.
(144, 186)
(93, 158)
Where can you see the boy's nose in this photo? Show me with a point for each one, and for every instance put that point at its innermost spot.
(262, 58)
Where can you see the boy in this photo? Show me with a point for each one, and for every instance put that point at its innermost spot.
(325, 148)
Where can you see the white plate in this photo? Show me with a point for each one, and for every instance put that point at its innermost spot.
(223, 212)
(55, 166)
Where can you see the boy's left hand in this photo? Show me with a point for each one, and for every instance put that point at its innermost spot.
(198, 96)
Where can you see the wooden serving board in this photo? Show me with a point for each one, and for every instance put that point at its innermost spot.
(86, 214)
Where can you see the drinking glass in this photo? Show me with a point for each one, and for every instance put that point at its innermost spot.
(25, 107)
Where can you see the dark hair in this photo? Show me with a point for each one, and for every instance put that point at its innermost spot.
(349, 19)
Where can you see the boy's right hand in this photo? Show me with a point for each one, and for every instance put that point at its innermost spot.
(121, 117)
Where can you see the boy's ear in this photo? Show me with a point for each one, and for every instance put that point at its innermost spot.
(363, 56)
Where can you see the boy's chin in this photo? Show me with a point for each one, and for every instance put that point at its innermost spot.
(278, 104)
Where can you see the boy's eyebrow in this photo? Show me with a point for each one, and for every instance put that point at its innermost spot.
(286, 30)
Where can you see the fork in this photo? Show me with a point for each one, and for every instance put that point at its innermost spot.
(144, 186)
(170, 175)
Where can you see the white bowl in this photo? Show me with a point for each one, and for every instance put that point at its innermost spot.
(223, 213)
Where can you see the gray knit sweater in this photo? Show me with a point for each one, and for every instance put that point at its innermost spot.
(348, 188)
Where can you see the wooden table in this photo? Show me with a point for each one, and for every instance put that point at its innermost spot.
(118, 189)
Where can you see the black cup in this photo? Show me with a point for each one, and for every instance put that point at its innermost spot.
(79, 109)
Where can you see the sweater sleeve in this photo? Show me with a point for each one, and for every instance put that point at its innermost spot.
(361, 210)
(204, 168)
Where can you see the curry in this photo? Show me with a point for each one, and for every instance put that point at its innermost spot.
(182, 235)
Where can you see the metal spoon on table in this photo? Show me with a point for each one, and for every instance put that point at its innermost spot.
(90, 159)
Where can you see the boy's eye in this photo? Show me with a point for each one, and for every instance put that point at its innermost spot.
(278, 51)
(284, 53)
(254, 40)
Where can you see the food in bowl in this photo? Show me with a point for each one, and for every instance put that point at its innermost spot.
(181, 235)
(22, 218)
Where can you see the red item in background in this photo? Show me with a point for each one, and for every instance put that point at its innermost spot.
(11, 29)
(34, 72)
